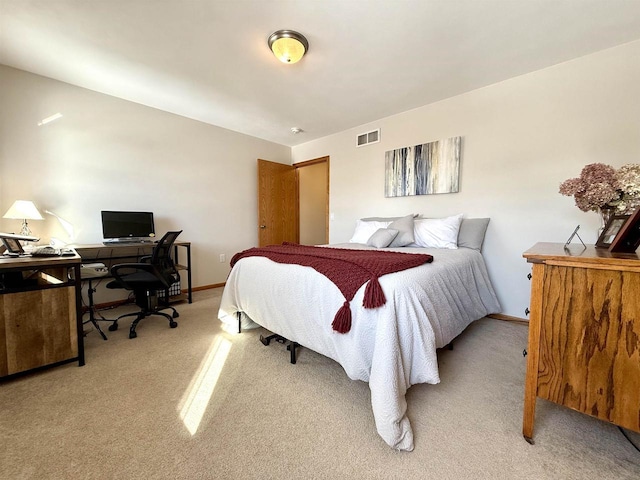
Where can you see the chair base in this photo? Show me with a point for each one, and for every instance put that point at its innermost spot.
(143, 314)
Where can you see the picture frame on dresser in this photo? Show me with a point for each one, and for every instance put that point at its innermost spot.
(611, 230)
(627, 239)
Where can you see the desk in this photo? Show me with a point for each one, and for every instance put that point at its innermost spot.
(115, 253)
(584, 328)
(40, 313)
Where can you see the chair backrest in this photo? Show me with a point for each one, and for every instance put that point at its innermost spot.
(161, 256)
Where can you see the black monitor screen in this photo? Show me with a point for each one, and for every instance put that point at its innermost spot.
(127, 224)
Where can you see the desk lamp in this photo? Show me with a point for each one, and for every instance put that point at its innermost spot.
(68, 228)
(24, 210)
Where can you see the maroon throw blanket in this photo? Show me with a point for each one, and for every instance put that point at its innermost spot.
(348, 269)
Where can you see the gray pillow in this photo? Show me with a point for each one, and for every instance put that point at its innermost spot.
(472, 231)
(405, 236)
(382, 237)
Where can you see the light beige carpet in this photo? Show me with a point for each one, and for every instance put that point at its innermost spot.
(197, 403)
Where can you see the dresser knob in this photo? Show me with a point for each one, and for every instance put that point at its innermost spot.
(529, 276)
(526, 311)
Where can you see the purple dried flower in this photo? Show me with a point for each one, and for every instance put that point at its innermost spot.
(599, 173)
(596, 186)
(599, 194)
(572, 186)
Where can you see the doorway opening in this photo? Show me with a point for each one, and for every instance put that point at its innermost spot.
(313, 201)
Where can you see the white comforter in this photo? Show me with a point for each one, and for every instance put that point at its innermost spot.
(391, 347)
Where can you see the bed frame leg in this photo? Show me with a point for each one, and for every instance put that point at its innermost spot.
(267, 340)
(292, 348)
(239, 322)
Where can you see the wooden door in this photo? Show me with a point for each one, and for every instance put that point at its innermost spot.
(277, 203)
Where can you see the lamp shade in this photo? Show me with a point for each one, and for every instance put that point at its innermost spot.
(23, 210)
(288, 46)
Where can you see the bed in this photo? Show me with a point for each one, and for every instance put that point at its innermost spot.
(391, 347)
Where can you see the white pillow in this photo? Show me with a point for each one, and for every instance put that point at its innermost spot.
(382, 237)
(437, 232)
(364, 230)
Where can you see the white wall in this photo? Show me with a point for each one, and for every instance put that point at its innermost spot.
(110, 154)
(522, 138)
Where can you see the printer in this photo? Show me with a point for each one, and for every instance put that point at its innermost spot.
(93, 270)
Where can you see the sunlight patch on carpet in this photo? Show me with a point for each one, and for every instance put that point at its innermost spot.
(196, 398)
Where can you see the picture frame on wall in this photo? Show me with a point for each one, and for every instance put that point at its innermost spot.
(611, 229)
(627, 238)
(425, 169)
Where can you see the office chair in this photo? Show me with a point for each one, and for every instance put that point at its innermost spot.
(154, 272)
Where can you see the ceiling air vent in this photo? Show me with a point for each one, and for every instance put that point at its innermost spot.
(367, 138)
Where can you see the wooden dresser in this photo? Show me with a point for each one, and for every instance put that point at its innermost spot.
(584, 333)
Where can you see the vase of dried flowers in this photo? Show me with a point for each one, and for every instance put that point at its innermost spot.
(606, 212)
(603, 189)
(594, 188)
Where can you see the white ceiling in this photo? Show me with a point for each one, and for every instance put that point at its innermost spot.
(368, 59)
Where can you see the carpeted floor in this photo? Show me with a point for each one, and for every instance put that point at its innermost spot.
(198, 403)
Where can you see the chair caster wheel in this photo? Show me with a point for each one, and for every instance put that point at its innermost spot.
(173, 324)
(113, 327)
(133, 334)
(175, 315)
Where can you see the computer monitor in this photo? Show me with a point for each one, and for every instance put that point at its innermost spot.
(120, 226)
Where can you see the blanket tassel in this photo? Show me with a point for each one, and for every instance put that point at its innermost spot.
(342, 321)
(373, 295)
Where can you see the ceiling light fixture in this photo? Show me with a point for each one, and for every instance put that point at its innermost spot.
(296, 130)
(288, 46)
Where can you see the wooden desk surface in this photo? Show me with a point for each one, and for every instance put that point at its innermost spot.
(7, 262)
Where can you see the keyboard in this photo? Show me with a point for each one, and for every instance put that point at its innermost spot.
(49, 251)
(45, 252)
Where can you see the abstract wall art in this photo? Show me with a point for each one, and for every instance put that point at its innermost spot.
(424, 169)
